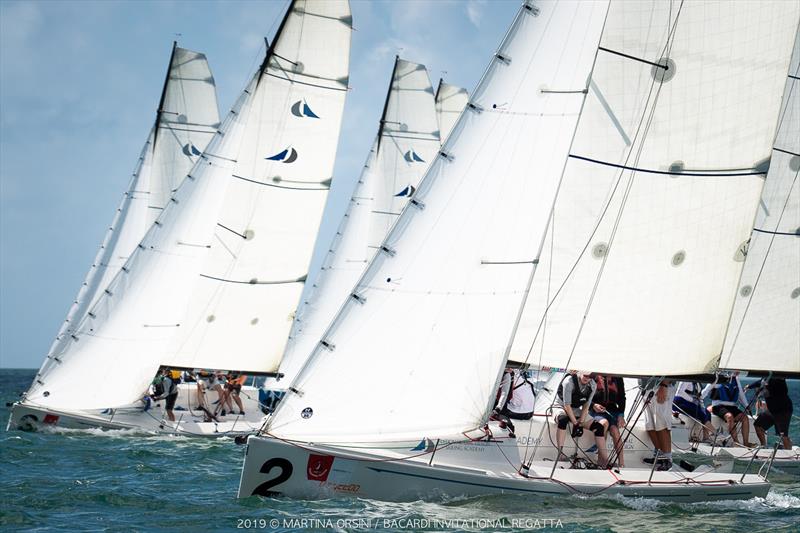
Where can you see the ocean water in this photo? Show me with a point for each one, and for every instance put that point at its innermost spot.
(118, 481)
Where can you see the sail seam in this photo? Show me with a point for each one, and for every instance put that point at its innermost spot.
(255, 282)
(281, 186)
(306, 83)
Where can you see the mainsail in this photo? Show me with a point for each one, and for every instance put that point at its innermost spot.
(450, 102)
(764, 332)
(242, 307)
(642, 258)
(422, 338)
(186, 120)
(408, 123)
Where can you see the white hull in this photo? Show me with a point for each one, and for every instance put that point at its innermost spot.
(786, 461)
(188, 421)
(305, 470)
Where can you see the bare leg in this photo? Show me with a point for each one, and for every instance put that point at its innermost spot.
(618, 447)
(729, 420)
(746, 430)
(762, 436)
(238, 401)
(170, 415)
(787, 442)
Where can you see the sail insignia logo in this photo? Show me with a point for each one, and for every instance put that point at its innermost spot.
(406, 193)
(288, 155)
(301, 109)
(412, 157)
(191, 150)
(307, 412)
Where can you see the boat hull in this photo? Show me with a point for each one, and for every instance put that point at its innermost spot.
(29, 417)
(303, 470)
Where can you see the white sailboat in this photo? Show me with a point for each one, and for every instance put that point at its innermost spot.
(618, 116)
(186, 120)
(213, 281)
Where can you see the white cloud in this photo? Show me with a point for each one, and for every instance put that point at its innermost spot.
(475, 11)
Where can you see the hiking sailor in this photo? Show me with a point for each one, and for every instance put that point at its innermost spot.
(726, 393)
(165, 386)
(575, 394)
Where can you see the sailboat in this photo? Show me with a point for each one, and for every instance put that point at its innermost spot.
(213, 283)
(614, 116)
(763, 336)
(410, 123)
(186, 120)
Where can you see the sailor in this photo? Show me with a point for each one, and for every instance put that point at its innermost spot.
(516, 395)
(575, 395)
(726, 393)
(233, 387)
(778, 413)
(166, 387)
(658, 396)
(608, 409)
(689, 402)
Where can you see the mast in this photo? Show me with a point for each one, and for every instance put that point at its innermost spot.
(386, 102)
(163, 98)
(271, 47)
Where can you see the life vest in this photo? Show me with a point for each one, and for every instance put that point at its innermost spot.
(579, 396)
(519, 404)
(725, 393)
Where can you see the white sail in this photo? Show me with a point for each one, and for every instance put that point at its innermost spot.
(389, 178)
(243, 304)
(764, 333)
(450, 102)
(187, 119)
(421, 342)
(641, 261)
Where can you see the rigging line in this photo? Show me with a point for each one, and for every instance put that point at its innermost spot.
(640, 60)
(281, 186)
(255, 282)
(530, 262)
(307, 83)
(785, 151)
(758, 278)
(668, 172)
(602, 214)
(223, 226)
(789, 234)
(794, 77)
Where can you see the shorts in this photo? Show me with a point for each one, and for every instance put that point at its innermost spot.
(562, 419)
(658, 416)
(780, 420)
(507, 412)
(611, 416)
(171, 399)
(233, 387)
(722, 410)
(696, 411)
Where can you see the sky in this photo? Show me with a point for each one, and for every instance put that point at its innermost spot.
(79, 87)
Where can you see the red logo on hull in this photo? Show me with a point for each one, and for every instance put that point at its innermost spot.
(319, 466)
(51, 419)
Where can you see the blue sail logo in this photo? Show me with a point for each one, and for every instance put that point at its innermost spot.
(288, 155)
(407, 192)
(300, 109)
(191, 150)
(412, 157)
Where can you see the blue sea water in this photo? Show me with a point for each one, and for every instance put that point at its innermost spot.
(118, 481)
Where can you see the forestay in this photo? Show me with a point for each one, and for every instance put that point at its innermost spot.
(421, 341)
(764, 333)
(450, 102)
(243, 305)
(186, 120)
(660, 190)
(407, 139)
